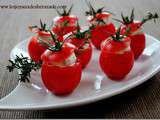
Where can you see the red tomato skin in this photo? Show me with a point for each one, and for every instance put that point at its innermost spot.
(84, 56)
(35, 49)
(101, 33)
(116, 65)
(138, 44)
(61, 80)
(43, 34)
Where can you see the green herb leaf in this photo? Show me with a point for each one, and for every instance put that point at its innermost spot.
(150, 16)
(25, 65)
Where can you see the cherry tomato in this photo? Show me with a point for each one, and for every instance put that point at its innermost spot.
(60, 80)
(83, 51)
(138, 40)
(84, 55)
(100, 33)
(64, 25)
(116, 58)
(138, 44)
(35, 49)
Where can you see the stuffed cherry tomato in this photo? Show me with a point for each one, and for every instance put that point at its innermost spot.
(35, 49)
(61, 71)
(64, 23)
(101, 27)
(138, 40)
(82, 43)
(116, 58)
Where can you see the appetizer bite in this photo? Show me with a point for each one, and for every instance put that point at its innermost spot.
(61, 71)
(100, 25)
(35, 49)
(83, 49)
(64, 23)
(138, 40)
(116, 58)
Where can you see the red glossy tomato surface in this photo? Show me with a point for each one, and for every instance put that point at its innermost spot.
(84, 55)
(138, 44)
(61, 80)
(35, 49)
(43, 34)
(100, 33)
(115, 60)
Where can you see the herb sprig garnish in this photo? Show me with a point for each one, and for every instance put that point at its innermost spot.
(25, 66)
(128, 20)
(43, 27)
(150, 16)
(92, 11)
(58, 45)
(118, 36)
(65, 12)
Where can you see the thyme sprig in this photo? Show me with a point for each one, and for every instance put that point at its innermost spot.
(128, 20)
(58, 45)
(150, 16)
(43, 27)
(65, 12)
(25, 65)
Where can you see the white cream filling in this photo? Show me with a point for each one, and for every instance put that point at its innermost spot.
(86, 46)
(124, 50)
(69, 61)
